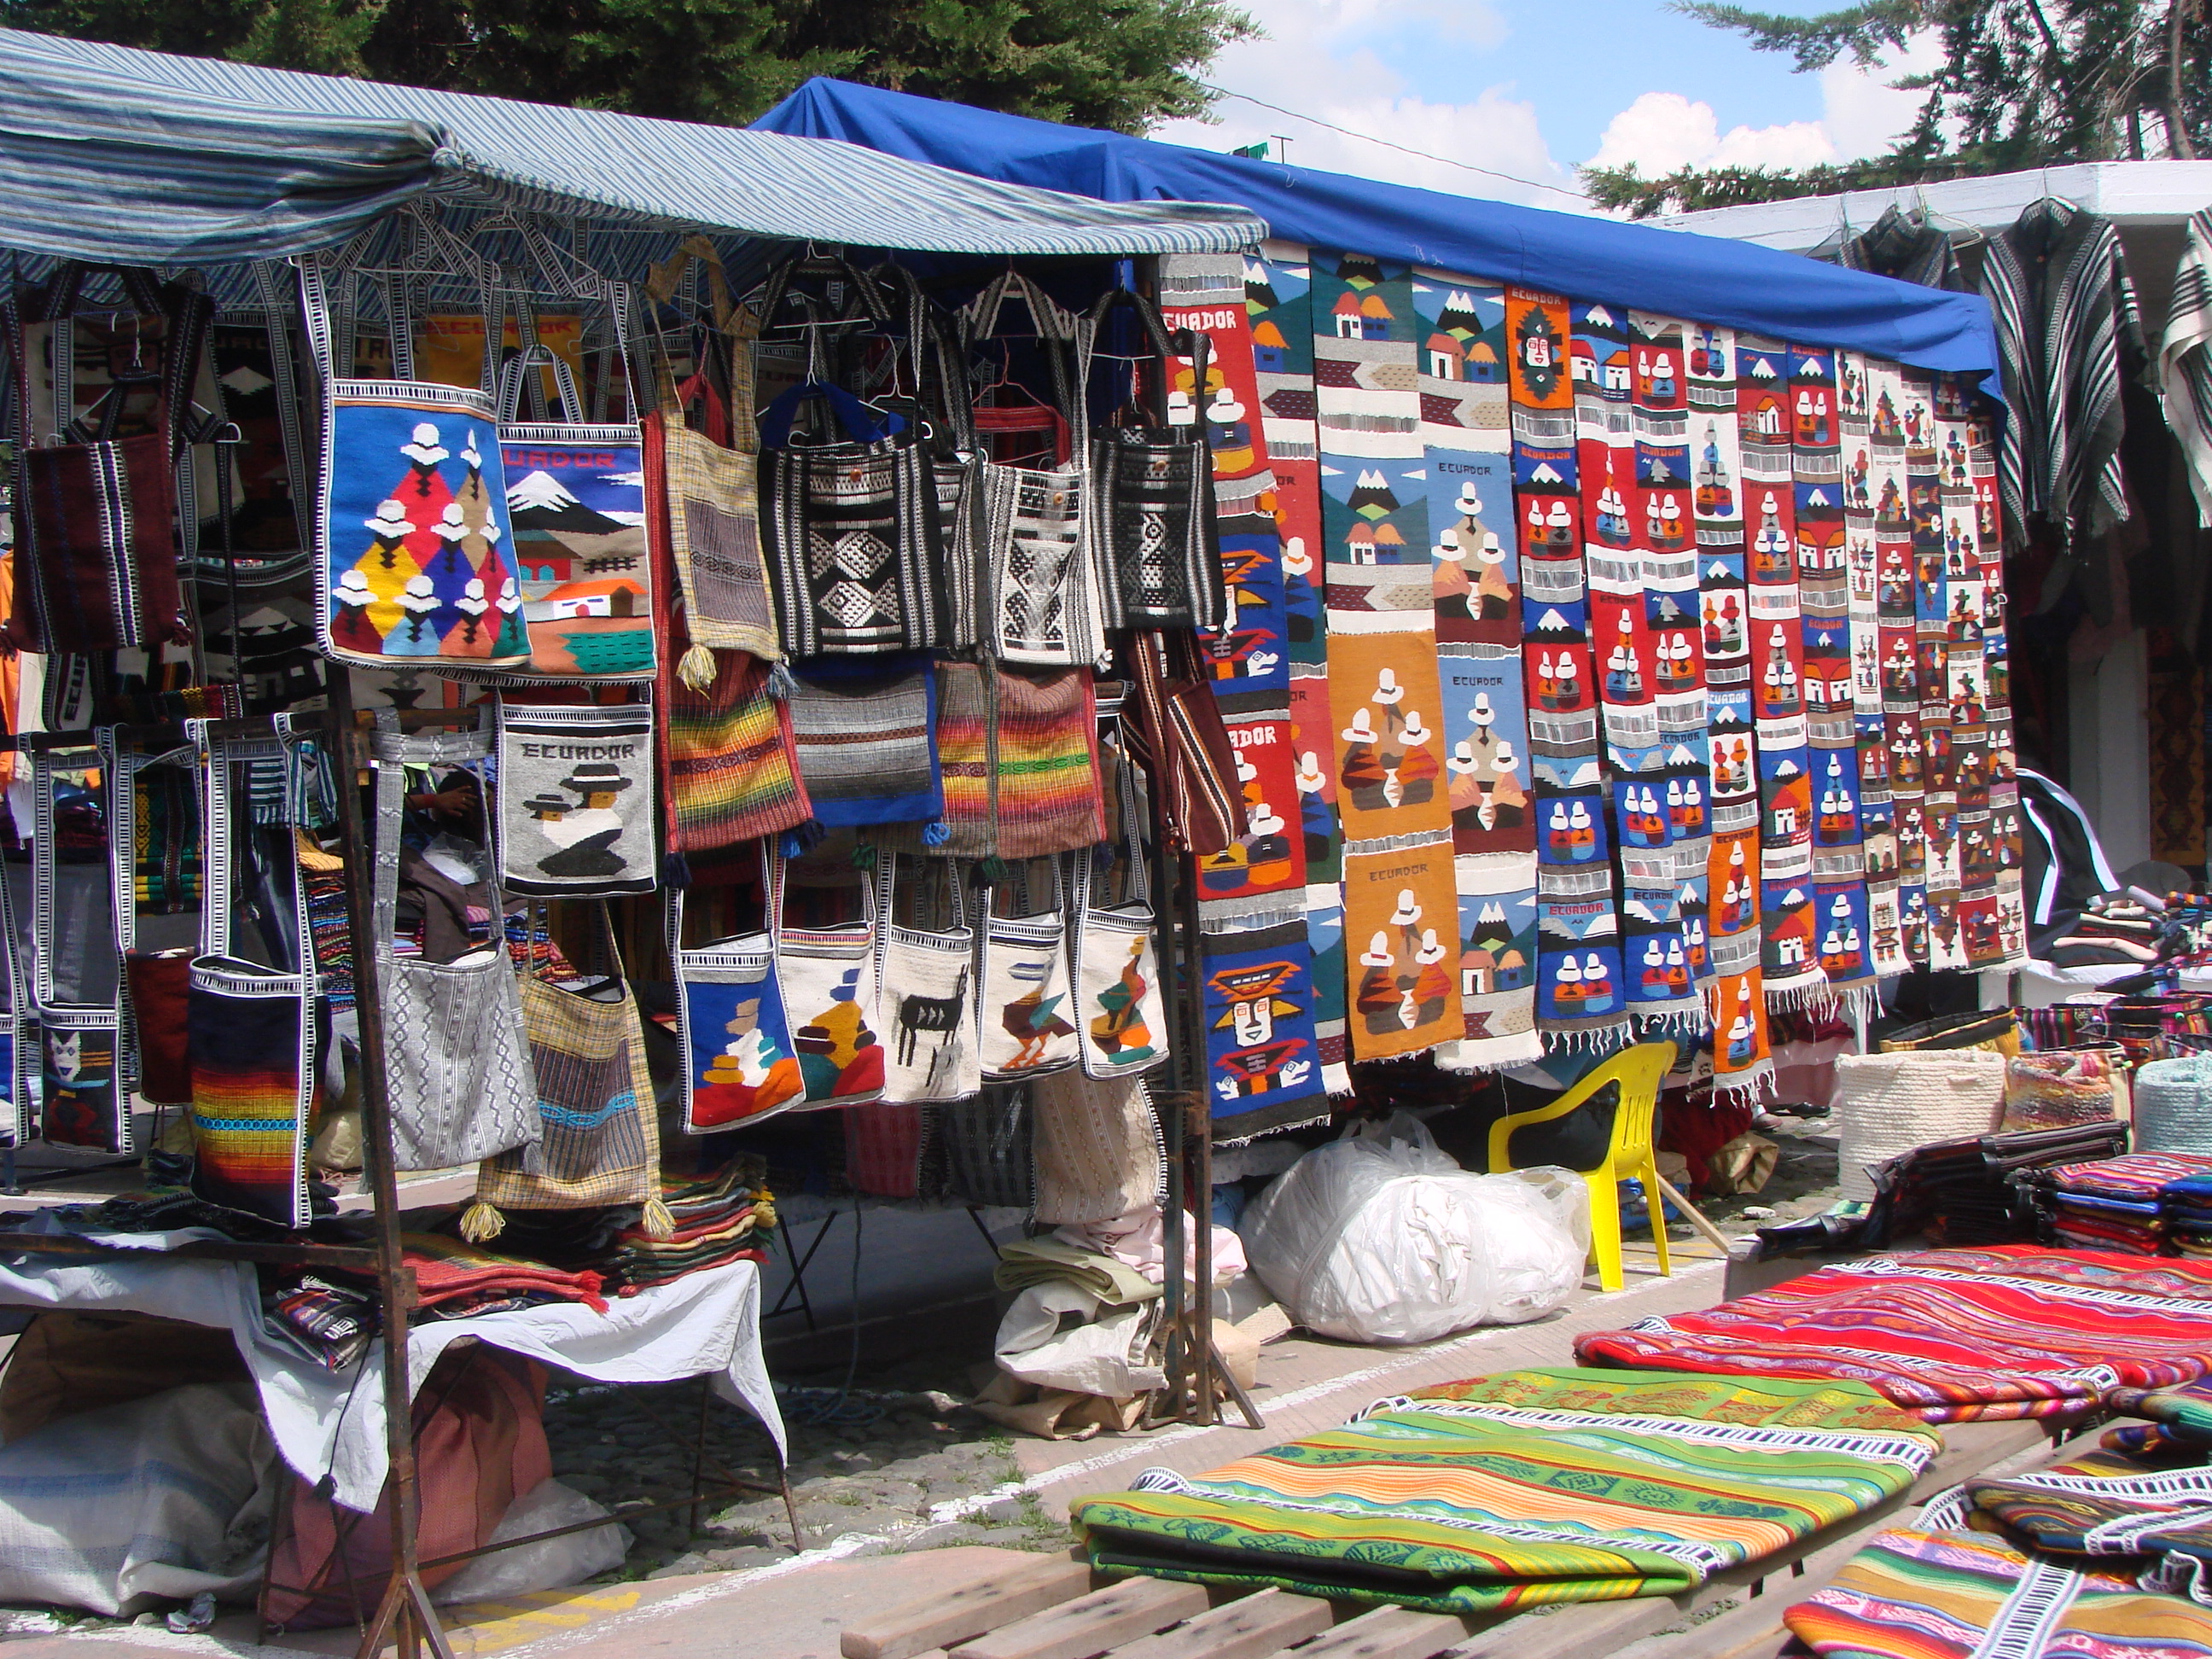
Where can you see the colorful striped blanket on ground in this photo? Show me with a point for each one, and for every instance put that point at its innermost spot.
(1959, 1335)
(1914, 1595)
(1523, 1489)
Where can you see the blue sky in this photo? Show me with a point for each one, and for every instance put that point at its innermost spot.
(1534, 88)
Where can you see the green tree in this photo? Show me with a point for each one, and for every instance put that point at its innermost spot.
(2023, 83)
(1118, 64)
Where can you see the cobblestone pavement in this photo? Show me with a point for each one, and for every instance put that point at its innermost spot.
(893, 1455)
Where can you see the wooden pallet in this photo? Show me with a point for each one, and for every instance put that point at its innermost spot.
(1054, 1607)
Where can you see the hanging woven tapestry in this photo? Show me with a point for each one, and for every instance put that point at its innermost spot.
(1400, 904)
(417, 549)
(1278, 296)
(575, 497)
(576, 804)
(1474, 578)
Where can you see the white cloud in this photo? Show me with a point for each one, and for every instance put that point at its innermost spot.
(1663, 131)
(1862, 114)
(1312, 62)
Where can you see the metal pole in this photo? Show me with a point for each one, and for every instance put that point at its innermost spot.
(1173, 1112)
(403, 1606)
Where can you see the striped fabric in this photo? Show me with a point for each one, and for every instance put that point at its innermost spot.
(2185, 360)
(601, 1139)
(1960, 1334)
(1914, 1594)
(150, 159)
(862, 727)
(1049, 797)
(1522, 1489)
(728, 774)
(2066, 317)
(249, 1134)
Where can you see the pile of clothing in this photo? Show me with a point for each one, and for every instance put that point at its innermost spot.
(2129, 1204)
(333, 1317)
(719, 1218)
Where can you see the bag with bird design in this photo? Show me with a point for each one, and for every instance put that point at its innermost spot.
(1028, 1006)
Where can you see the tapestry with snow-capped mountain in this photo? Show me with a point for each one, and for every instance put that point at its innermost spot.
(576, 495)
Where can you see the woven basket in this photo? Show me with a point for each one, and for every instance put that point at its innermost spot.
(1891, 1103)
(2173, 1105)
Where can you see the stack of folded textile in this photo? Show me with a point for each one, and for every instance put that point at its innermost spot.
(2115, 931)
(719, 1218)
(332, 1324)
(2000, 1332)
(2116, 1203)
(1523, 1489)
(455, 1280)
(1965, 1192)
(2105, 1554)
(2189, 1214)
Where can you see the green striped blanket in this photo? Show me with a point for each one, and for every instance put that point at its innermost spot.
(1524, 1488)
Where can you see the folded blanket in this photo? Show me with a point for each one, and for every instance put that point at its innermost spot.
(2105, 1505)
(2179, 1419)
(1027, 1261)
(1522, 1489)
(1927, 1595)
(1959, 1335)
(447, 1271)
(2136, 1176)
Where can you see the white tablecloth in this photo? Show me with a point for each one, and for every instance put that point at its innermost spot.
(331, 1423)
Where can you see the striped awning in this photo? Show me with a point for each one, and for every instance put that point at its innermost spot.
(143, 158)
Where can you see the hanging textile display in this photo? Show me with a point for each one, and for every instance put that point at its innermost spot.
(457, 1068)
(415, 557)
(1152, 501)
(1258, 877)
(1475, 589)
(827, 980)
(251, 1027)
(1882, 938)
(739, 1062)
(1045, 777)
(75, 978)
(576, 808)
(1400, 904)
(1121, 1014)
(1579, 997)
(1949, 704)
(729, 771)
(1789, 965)
(155, 868)
(702, 486)
(1840, 918)
(575, 498)
(598, 1135)
(863, 732)
(95, 494)
(925, 971)
(1280, 297)
(854, 545)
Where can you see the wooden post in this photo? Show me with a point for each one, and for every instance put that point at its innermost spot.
(405, 1609)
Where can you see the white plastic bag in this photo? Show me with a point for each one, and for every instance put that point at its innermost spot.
(549, 1564)
(1381, 1238)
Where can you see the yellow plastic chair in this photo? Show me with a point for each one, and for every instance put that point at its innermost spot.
(1639, 1072)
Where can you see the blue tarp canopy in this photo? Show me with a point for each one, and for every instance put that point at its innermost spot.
(140, 157)
(1697, 278)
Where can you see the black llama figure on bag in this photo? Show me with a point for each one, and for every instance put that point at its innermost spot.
(917, 1014)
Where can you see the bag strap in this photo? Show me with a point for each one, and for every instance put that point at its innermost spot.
(515, 373)
(1058, 333)
(45, 880)
(393, 753)
(861, 423)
